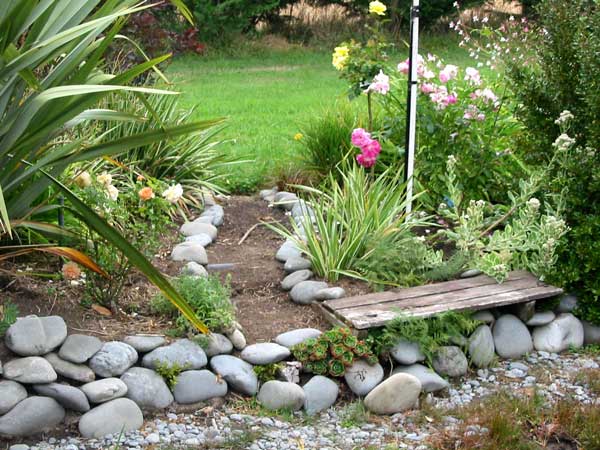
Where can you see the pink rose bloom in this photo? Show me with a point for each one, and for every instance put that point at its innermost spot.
(473, 76)
(365, 160)
(427, 88)
(360, 137)
(372, 148)
(451, 98)
(380, 84)
(403, 67)
(481, 117)
(448, 73)
(428, 74)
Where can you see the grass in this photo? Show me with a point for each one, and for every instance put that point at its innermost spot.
(268, 92)
(523, 422)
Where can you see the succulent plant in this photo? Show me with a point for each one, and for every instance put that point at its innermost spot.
(350, 341)
(332, 352)
(336, 368)
(320, 367)
(347, 358)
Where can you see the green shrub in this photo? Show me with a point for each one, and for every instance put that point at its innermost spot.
(267, 372)
(219, 20)
(430, 333)
(563, 75)
(326, 139)
(170, 372)
(208, 298)
(8, 316)
(332, 352)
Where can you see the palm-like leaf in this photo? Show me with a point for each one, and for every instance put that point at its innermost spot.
(50, 79)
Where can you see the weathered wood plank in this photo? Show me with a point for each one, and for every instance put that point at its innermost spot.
(375, 310)
(421, 291)
(379, 317)
(448, 297)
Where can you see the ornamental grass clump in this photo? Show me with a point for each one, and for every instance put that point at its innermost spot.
(332, 352)
(348, 215)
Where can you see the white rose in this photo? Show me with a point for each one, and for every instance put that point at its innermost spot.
(105, 179)
(113, 192)
(84, 179)
(174, 193)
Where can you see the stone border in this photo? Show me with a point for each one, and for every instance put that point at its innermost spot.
(109, 386)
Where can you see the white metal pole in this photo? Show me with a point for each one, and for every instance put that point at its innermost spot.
(411, 116)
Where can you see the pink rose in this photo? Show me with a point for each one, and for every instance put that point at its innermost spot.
(360, 137)
(373, 147)
(427, 88)
(365, 160)
(451, 99)
(403, 67)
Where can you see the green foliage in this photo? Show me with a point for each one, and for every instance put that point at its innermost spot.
(8, 315)
(141, 221)
(499, 239)
(563, 75)
(430, 333)
(194, 160)
(219, 20)
(450, 269)
(208, 298)
(354, 414)
(399, 260)
(332, 352)
(52, 78)
(170, 372)
(326, 138)
(267, 372)
(348, 215)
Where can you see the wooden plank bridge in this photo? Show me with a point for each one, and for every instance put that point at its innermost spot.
(481, 292)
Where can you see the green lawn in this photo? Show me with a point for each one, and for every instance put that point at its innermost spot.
(267, 96)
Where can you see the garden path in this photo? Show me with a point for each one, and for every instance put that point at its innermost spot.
(263, 309)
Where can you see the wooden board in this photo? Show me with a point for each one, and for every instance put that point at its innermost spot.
(481, 292)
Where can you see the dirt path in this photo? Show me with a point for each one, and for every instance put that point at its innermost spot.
(264, 310)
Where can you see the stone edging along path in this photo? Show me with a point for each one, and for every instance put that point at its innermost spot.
(109, 386)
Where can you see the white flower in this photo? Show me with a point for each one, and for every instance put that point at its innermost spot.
(563, 142)
(564, 117)
(451, 159)
(113, 192)
(84, 179)
(105, 178)
(174, 193)
(534, 203)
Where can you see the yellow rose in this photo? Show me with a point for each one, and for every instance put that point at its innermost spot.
(298, 136)
(340, 55)
(378, 8)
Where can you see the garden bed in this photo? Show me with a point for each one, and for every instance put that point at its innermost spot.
(263, 309)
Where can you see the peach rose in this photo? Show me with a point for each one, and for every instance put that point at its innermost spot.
(146, 193)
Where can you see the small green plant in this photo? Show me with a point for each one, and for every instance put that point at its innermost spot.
(332, 352)
(170, 372)
(8, 315)
(208, 298)
(267, 372)
(349, 214)
(354, 414)
(430, 333)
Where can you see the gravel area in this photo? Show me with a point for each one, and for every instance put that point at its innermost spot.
(552, 375)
